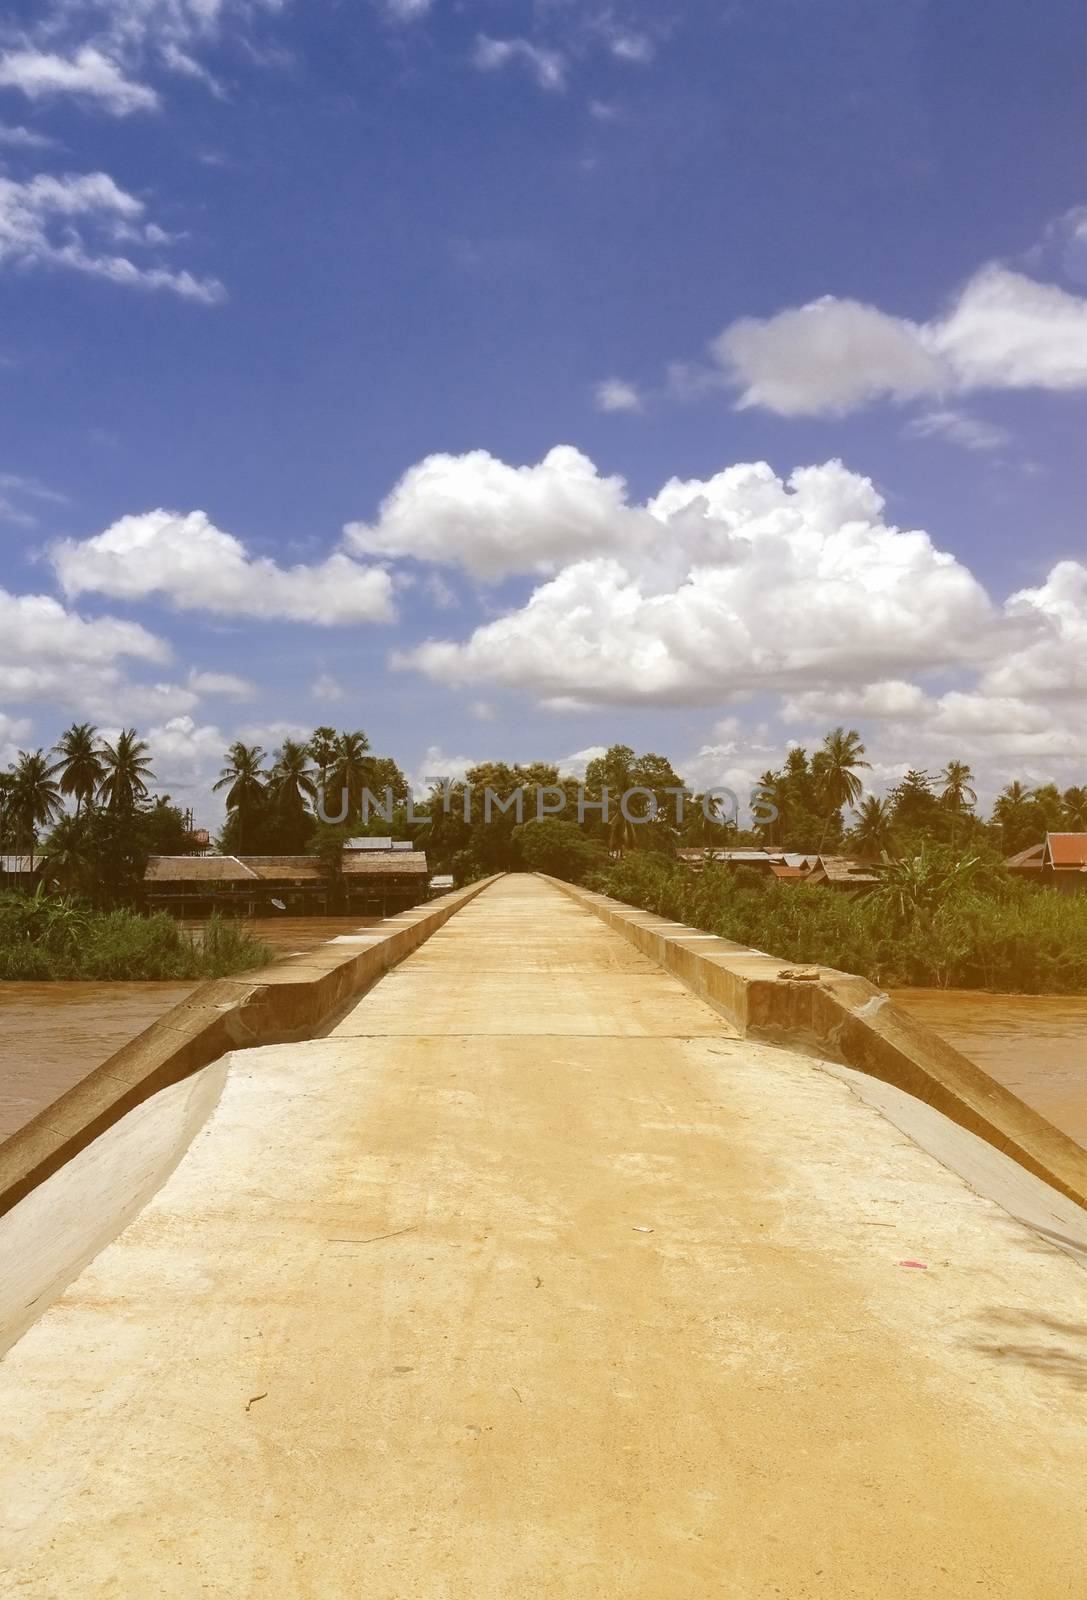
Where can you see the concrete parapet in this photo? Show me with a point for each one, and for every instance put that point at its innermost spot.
(291, 1000)
(847, 1020)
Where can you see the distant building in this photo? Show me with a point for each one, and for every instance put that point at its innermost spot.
(844, 872)
(375, 878)
(21, 872)
(1059, 862)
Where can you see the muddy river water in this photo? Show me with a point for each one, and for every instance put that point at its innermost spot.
(53, 1034)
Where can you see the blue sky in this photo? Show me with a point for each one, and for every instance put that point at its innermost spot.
(268, 268)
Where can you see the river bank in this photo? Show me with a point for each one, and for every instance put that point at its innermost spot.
(53, 1034)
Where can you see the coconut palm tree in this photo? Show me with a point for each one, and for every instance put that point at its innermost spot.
(351, 768)
(841, 756)
(872, 829)
(243, 779)
(956, 779)
(290, 785)
(127, 772)
(621, 835)
(1075, 808)
(80, 766)
(68, 859)
(35, 799)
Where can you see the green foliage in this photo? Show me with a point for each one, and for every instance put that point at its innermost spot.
(954, 925)
(51, 937)
(559, 848)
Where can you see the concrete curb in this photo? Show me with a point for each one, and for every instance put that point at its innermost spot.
(275, 1005)
(847, 1020)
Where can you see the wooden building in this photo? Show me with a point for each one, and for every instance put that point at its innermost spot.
(371, 882)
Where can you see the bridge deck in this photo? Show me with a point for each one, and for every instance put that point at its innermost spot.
(531, 1281)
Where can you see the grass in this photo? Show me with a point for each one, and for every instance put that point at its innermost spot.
(1004, 936)
(43, 938)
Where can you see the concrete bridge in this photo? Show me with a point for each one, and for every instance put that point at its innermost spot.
(531, 1278)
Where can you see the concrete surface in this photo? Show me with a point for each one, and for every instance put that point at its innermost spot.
(840, 1017)
(292, 999)
(553, 1312)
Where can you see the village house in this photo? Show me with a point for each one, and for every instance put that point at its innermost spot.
(375, 877)
(1059, 862)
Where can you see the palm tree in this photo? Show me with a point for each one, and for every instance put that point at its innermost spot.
(80, 766)
(1075, 808)
(621, 835)
(956, 779)
(872, 829)
(322, 748)
(35, 798)
(351, 767)
(1010, 811)
(243, 779)
(957, 795)
(771, 785)
(842, 754)
(290, 781)
(127, 772)
(67, 854)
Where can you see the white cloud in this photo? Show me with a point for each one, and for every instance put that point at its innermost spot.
(48, 653)
(24, 138)
(576, 764)
(633, 47)
(711, 590)
(325, 687)
(407, 10)
(41, 222)
(225, 683)
(615, 394)
(958, 427)
(185, 755)
(476, 512)
(436, 765)
(1004, 331)
(87, 74)
(482, 710)
(197, 567)
(605, 111)
(15, 735)
(547, 66)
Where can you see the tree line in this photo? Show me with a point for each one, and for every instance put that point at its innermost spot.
(85, 809)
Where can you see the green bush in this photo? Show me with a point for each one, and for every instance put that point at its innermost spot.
(988, 932)
(44, 937)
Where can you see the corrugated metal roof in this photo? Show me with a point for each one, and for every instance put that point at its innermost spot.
(844, 869)
(787, 873)
(1031, 857)
(1067, 850)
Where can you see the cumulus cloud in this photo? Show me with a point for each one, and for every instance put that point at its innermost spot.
(547, 66)
(615, 394)
(195, 566)
(1003, 331)
(15, 734)
(48, 653)
(711, 590)
(49, 220)
(87, 74)
(475, 512)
